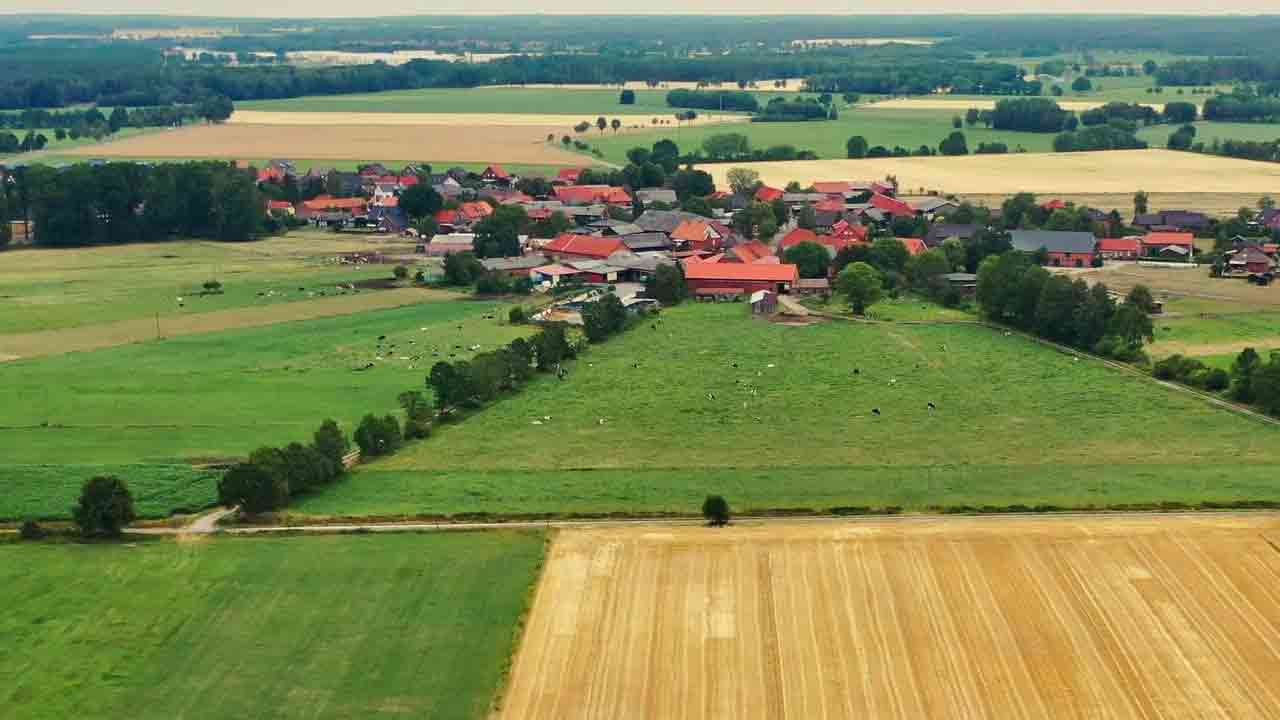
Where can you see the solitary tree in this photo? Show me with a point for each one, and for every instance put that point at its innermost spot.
(716, 510)
(601, 123)
(419, 201)
(856, 147)
(667, 285)
(1140, 203)
(627, 97)
(105, 507)
(861, 285)
(743, 181)
(616, 124)
(810, 259)
(1140, 297)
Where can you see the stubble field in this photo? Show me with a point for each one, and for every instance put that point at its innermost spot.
(436, 143)
(1115, 171)
(960, 618)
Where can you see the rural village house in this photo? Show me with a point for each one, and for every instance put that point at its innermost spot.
(1065, 249)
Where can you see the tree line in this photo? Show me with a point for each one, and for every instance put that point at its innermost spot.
(124, 202)
(1015, 291)
(1252, 380)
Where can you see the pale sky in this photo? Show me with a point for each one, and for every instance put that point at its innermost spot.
(345, 8)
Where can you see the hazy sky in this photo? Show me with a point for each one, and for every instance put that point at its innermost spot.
(345, 8)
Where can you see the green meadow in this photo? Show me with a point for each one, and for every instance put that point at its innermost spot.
(216, 395)
(775, 416)
(382, 626)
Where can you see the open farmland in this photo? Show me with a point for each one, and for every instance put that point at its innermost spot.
(439, 143)
(1114, 171)
(975, 618)
(889, 127)
(321, 627)
(54, 289)
(774, 416)
(216, 395)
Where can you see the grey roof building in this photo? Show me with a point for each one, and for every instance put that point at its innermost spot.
(1053, 241)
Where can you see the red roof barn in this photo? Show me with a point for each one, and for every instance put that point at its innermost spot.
(893, 206)
(738, 278)
(569, 246)
(1125, 248)
(768, 194)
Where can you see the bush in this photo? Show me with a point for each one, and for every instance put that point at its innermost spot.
(105, 506)
(1217, 380)
(378, 436)
(401, 272)
(716, 510)
(31, 530)
(254, 488)
(516, 316)
(329, 441)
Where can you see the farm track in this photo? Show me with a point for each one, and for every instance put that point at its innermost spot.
(1118, 616)
(97, 337)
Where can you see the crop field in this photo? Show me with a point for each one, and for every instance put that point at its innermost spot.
(220, 395)
(774, 416)
(54, 289)
(975, 618)
(1218, 204)
(1115, 171)
(437, 143)
(321, 627)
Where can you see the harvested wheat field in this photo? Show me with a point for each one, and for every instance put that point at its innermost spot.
(1114, 171)
(1117, 617)
(440, 143)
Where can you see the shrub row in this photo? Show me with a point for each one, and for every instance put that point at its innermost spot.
(271, 476)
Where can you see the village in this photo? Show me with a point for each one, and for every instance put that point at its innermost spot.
(609, 235)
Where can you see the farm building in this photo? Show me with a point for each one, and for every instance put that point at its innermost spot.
(942, 232)
(749, 252)
(653, 195)
(592, 195)
(567, 176)
(280, 206)
(892, 206)
(1172, 221)
(1250, 259)
(447, 244)
(705, 278)
(637, 268)
(934, 206)
(597, 271)
(766, 194)
(1168, 244)
(965, 283)
(514, 267)
(701, 234)
(764, 302)
(496, 175)
(329, 205)
(1125, 248)
(914, 246)
(647, 242)
(569, 246)
(848, 231)
(813, 286)
(554, 274)
(1066, 249)
(665, 221)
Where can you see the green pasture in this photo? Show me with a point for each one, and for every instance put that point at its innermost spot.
(909, 128)
(549, 101)
(1207, 132)
(383, 626)
(776, 416)
(217, 395)
(67, 143)
(43, 289)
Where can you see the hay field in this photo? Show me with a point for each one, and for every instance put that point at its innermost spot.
(1126, 617)
(1213, 203)
(439, 143)
(1115, 171)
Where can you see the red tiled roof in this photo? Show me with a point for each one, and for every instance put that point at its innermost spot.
(846, 230)
(754, 251)
(496, 171)
(475, 210)
(585, 245)
(1124, 244)
(279, 205)
(692, 231)
(388, 201)
(797, 236)
(556, 269)
(915, 246)
(1054, 204)
(588, 194)
(833, 187)
(408, 180)
(759, 272)
(893, 206)
(569, 174)
(328, 202)
(768, 194)
(539, 213)
(1168, 238)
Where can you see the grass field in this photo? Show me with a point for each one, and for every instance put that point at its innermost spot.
(321, 627)
(773, 416)
(222, 394)
(1207, 132)
(56, 145)
(973, 618)
(52, 289)
(476, 100)
(909, 128)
